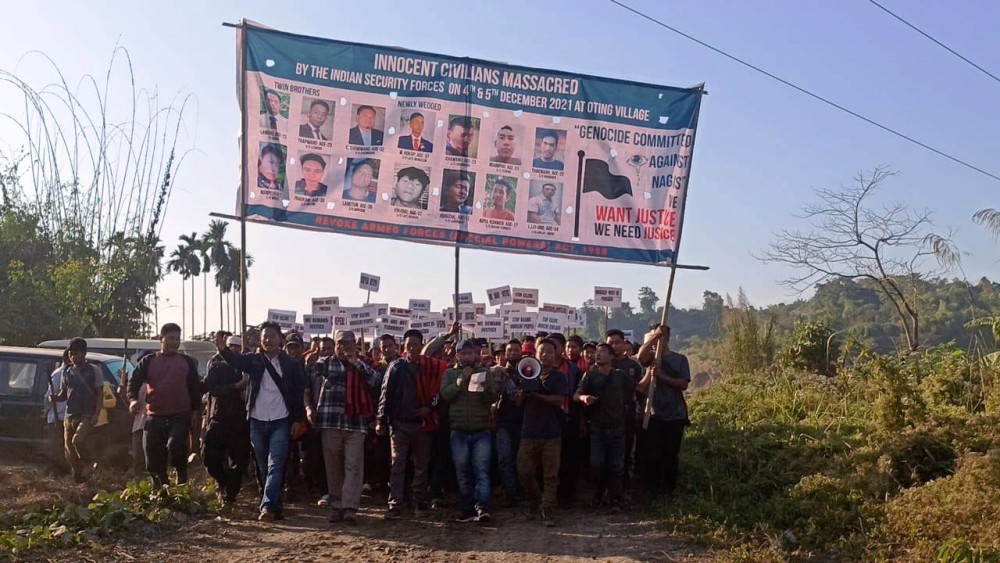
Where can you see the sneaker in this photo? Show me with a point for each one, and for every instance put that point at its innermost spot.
(547, 520)
(467, 517)
(420, 510)
(349, 516)
(366, 489)
(437, 503)
(335, 516)
(393, 514)
(483, 516)
(266, 515)
(323, 501)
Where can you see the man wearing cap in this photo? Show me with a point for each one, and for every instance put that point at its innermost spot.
(469, 391)
(344, 409)
(226, 448)
(274, 409)
(406, 414)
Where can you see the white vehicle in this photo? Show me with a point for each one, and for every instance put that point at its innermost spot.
(201, 351)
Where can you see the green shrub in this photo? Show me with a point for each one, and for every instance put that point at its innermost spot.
(811, 347)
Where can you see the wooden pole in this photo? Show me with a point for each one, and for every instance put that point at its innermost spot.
(662, 344)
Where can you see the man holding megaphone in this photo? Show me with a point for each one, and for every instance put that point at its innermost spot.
(541, 433)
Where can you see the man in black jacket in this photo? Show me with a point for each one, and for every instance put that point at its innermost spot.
(226, 449)
(274, 408)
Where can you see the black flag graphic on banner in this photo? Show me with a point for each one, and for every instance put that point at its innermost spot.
(598, 178)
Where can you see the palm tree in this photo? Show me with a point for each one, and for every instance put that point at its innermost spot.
(989, 219)
(217, 249)
(231, 275)
(185, 261)
(206, 267)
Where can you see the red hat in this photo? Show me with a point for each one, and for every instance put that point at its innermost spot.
(528, 347)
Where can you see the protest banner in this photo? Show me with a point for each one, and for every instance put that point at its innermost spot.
(508, 308)
(554, 308)
(600, 166)
(393, 325)
(465, 298)
(400, 312)
(521, 324)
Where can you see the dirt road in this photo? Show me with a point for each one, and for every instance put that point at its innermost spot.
(234, 536)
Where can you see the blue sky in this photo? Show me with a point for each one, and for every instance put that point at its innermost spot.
(762, 147)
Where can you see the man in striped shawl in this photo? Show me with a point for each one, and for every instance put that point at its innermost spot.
(406, 414)
(343, 412)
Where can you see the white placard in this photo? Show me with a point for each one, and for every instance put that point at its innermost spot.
(575, 318)
(524, 296)
(608, 297)
(285, 319)
(550, 322)
(400, 312)
(369, 282)
(522, 323)
(393, 325)
(325, 305)
(506, 310)
(318, 324)
(629, 335)
(489, 326)
(555, 308)
(499, 295)
(360, 318)
(465, 298)
(423, 305)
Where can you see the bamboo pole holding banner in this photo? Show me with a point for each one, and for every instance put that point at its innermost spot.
(662, 344)
(242, 34)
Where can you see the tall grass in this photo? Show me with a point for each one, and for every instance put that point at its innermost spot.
(880, 462)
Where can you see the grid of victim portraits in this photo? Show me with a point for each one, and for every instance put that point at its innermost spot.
(317, 174)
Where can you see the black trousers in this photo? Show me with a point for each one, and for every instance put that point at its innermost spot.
(226, 452)
(662, 444)
(165, 440)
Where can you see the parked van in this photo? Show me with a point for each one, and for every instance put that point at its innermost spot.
(197, 349)
(25, 385)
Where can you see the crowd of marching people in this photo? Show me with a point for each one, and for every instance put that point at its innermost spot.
(333, 417)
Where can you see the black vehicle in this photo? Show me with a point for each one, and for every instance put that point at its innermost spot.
(26, 381)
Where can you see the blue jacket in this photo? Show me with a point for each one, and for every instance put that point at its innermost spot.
(290, 383)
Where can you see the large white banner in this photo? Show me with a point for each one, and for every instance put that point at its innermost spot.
(387, 142)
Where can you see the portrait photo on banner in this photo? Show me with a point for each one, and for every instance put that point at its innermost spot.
(316, 119)
(500, 200)
(462, 136)
(367, 125)
(411, 188)
(507, 144)
(545, 202)
(361, 179)
(417, 128)
(457, 191)
(312, 174)
(271, 166)
(550, 149)
(274, 110)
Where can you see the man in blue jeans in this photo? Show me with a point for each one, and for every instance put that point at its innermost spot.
(275, 408)
(605, 392)
(470, 390)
